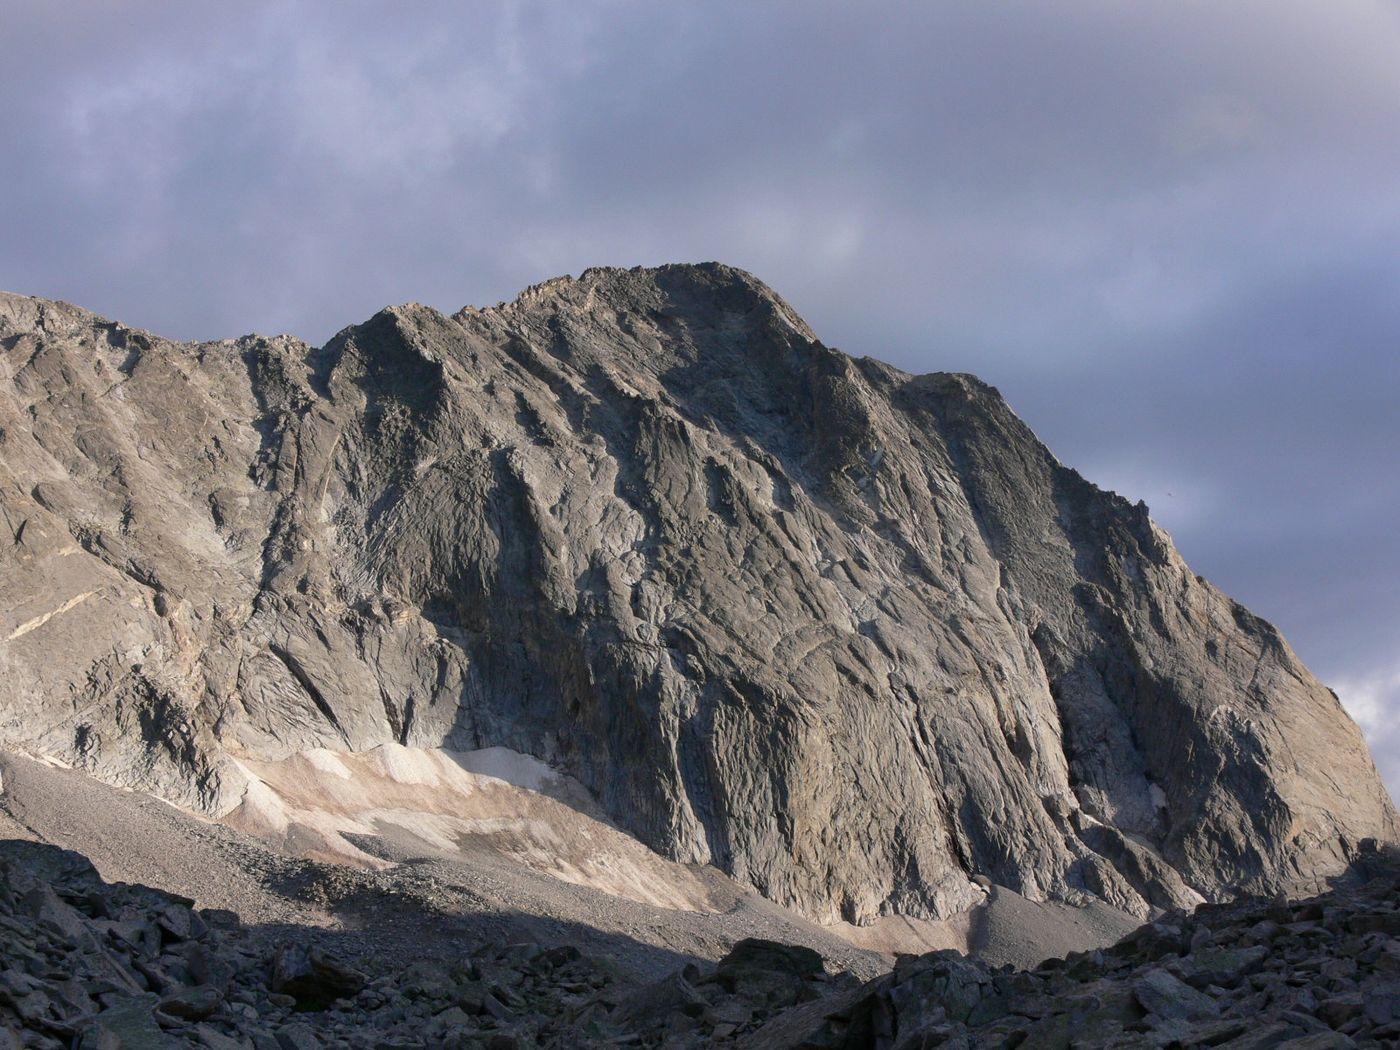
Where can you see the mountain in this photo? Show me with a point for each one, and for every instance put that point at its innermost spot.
(854, 637)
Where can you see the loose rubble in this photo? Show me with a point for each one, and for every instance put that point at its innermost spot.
(95, 966)
(1256, 973)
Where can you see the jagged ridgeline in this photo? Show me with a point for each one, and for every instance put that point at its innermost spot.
(852, 635)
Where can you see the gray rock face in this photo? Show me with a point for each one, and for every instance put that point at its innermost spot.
(852, 635)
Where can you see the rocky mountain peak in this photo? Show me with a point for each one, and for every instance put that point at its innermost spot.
(851, 635)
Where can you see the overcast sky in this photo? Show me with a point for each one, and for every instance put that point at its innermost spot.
(1169, 232)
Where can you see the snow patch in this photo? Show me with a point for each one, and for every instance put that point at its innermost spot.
(261, 806)
(407, 765)
(512, 767)
(324, 761)
(437, 803)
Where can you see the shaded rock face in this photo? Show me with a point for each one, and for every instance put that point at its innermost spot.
(853, 636)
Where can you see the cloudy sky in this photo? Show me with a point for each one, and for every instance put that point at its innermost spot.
(1169, 232)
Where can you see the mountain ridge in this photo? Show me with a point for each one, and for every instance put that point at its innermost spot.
(854, 636)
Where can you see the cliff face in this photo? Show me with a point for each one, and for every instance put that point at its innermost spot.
(853, 636)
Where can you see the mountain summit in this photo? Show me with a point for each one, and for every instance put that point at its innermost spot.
(853, 636)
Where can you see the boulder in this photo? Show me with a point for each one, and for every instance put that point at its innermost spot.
(313, 978)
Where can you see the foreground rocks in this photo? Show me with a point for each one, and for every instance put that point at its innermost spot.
(94, 966)
(1306, 975)
(88, 965)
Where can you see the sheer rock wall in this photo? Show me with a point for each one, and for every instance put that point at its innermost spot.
(852, 635)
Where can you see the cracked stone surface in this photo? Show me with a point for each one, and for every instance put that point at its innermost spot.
(853, 636)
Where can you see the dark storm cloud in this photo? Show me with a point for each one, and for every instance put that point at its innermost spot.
(1169, 232)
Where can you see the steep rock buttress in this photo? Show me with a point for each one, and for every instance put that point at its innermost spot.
(851, 635)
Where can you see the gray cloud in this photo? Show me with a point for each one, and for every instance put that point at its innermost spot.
(1166, 230)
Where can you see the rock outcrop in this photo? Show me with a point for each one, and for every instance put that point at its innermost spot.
(851, 635)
